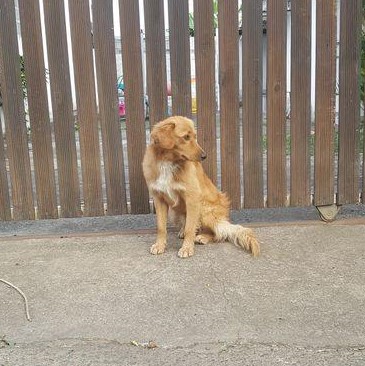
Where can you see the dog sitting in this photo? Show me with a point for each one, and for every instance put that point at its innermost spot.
(177, 182)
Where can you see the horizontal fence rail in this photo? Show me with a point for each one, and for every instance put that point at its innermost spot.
(276, 89)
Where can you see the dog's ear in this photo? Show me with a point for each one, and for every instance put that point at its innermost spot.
(162, 135)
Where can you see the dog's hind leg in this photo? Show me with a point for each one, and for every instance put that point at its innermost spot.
(204, 238)
(181, 234)
(191, 225)
(178, 218)
(182, 222)
(161, 214)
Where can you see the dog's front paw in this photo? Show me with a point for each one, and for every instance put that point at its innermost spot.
(186, 251)
(157, 248)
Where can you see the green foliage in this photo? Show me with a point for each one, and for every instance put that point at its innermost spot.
(215, 13)
(191, 24)
(23, 77)
(215, 18)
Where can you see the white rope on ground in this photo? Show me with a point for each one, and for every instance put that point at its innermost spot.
(23, 295)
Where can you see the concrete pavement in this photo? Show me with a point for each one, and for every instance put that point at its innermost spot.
(100, 298)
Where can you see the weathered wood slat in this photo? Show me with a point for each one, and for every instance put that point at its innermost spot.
(156, 59)
(300, 123)
(180, 57)
(38, 109)
(134, 98)
(5, 211)
(363, 172)
(229, 99)
(349, 102)
(205, 83)
(276, 102)
(108, 106)
(86, 106)
(62, 109)
(325, 103)
(13, 104)
(252, 104)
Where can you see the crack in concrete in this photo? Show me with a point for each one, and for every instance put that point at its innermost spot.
(224, 344)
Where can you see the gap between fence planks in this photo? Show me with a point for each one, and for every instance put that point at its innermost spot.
(5, 211)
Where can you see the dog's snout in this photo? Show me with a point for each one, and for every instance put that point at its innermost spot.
(203, 155)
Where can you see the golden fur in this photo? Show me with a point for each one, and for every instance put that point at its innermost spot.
(177, 182)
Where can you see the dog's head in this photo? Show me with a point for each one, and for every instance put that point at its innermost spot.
(178, 135)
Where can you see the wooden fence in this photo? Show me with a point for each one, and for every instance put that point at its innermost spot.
(62, 167)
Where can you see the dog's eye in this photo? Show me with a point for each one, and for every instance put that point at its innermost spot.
(187, 137)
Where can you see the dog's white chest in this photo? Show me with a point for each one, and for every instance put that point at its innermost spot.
(165, 182)
(166, 177)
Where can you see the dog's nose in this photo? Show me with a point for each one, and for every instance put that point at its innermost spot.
(203, 156)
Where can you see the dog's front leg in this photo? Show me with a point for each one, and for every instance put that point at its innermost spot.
(161, 214)
(191, 224)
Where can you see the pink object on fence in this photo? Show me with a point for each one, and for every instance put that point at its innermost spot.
(169, 89)
(121, 109)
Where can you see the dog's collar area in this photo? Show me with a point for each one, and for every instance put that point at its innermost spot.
(168, 166)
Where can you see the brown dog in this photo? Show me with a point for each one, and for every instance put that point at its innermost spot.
(176, 181)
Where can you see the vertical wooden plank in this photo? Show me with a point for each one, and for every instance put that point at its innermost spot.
(62, 108)
(86, 106)
(363, 160)
(16, 133)
(108, 106)
(325, 102)
(349, 102)
(180, 57)
(38, 109)
(229, 103)
(363, 170)
(276, 102)
(300, 102)
(205, 83)
(135, 119)
(252, 103)
(5, 212)
(156, 59)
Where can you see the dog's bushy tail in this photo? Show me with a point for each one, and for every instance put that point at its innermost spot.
(238, 235)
